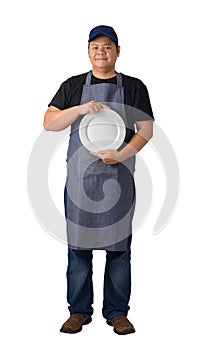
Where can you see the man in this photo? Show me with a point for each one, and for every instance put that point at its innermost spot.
(90, 93)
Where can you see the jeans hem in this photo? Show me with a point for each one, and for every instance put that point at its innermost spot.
(81, 313)
(111, 317)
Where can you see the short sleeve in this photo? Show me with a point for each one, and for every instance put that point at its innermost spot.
(61, 98)
(142, 102)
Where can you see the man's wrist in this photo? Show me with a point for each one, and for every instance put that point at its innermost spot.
(126, 153)
(121, 156)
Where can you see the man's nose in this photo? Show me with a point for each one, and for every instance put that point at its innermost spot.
(101, 51)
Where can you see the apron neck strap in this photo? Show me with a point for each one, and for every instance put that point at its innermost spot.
(89, 76)
(119, 79)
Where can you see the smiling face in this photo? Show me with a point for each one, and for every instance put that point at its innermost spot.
(103, 54)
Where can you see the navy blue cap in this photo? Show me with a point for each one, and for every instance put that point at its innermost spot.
(103, 30)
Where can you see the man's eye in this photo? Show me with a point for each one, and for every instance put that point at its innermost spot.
(108, 47)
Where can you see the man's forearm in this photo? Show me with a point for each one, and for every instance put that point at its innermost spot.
(136, 143)
(56, 120)
(59, 120)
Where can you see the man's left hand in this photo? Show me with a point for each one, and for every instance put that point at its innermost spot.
(109, 156)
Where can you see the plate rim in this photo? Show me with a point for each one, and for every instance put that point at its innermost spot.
(89, 145)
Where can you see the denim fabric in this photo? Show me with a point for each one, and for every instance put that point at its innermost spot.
(99, 198)
(117, 283)
(79, 282)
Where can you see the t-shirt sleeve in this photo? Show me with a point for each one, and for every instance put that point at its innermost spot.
(142, 103)
(61, 98)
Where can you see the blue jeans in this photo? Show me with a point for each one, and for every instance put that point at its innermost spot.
(117, 283)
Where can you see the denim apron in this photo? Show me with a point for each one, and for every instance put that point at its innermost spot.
(99, 198)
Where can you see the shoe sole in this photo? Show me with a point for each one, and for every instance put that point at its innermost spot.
(127, 331)
(72, 331)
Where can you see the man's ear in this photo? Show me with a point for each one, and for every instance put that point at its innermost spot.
(118, 51)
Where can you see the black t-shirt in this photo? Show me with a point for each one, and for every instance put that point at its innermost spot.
(135, 94)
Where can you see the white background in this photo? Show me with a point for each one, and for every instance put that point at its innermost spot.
(164, 44)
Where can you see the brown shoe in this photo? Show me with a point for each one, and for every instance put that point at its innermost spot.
(74, 323)
(121, 325)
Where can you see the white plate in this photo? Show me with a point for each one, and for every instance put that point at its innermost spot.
(102, 130)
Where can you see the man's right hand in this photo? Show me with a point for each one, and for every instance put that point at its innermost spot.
(91, 107)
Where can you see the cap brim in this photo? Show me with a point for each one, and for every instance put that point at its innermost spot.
(103, 34)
